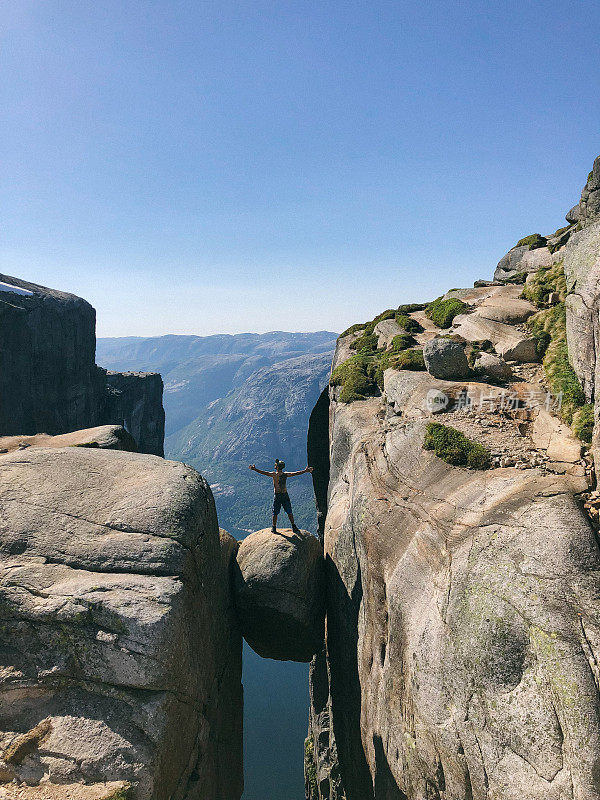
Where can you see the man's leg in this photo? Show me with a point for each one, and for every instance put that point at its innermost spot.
(287, 505)
(274, 528)
(295, 528)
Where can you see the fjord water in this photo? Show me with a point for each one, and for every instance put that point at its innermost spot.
(275, 726)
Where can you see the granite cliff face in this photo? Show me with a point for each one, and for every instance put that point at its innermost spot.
(49, 381)
(120, 657)
(460, 535)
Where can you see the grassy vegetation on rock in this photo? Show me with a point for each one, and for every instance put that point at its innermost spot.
(309, 767)
(454, 447)
(546, 281)
(549, 327)
(532, 242)
(442, 312)
(361, 375)
(356, 376)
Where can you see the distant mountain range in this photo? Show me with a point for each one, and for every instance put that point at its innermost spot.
(232, 400)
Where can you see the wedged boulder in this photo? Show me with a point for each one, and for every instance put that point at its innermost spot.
(492, 366)
(119, 659)
(280, 594)
(104, 437)
(445, 358)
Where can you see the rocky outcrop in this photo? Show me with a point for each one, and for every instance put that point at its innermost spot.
(531, 257)
(588, 208)
(280, 594)
(120, 658)
(134, 399)
(49, 382)
(106, 437)
(444, 633)
(463, 633)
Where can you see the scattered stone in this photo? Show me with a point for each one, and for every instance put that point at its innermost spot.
(492, 366)
(445, 358)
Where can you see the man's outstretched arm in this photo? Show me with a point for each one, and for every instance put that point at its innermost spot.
(300, 472)
(254, 468)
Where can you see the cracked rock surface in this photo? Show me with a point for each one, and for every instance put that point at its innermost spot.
(462, 647)
(119, 659)
(463, 631)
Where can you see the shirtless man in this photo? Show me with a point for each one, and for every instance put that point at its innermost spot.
(281, 497)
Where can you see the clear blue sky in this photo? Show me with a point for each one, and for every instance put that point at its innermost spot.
(202, 167)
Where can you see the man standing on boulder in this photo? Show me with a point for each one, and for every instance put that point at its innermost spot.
(281, 497)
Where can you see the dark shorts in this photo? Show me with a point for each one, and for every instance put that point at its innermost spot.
(281, 499)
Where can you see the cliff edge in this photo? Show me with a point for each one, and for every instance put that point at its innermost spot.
(460, 535)
(49, 381)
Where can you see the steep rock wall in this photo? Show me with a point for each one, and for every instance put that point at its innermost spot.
(462, 630)
(462, 634)
(134, 399)
(120, 659)
(49, 382)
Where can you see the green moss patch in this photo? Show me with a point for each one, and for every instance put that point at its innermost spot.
(409, 359)
(366, 343)
(409, 324)
(410, 308)
(550, 330)
(442, 312)
(310, 770)
(356, 376)
(533, 242)
(546, 281)
(454, 447)
(583, 423)
(402, 342)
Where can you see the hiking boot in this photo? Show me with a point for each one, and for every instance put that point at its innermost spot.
(295, 529)
(273, 529)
